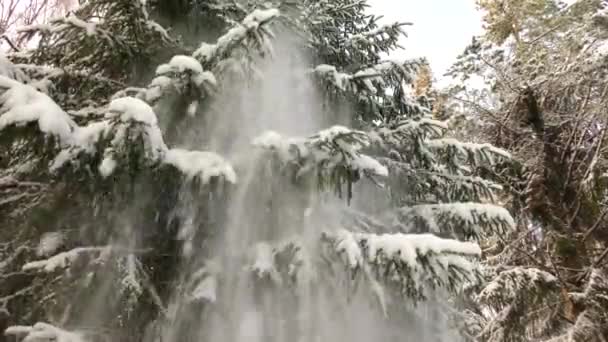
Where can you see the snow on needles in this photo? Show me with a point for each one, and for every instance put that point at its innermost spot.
(405, 247)
(205, 165)
(330, 148)
(367, 163)
(202, 164)
(180, 63)
(410, 249)
(132, 109)
(408, 246)
(509, 283)
(128, 110)
(43, 332)
(274, 141)
(8, 69)
(172, 73)
(22, 104)
(465, 147)
(469, 215)
(253, 21)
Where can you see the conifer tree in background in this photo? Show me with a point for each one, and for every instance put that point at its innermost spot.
(109, 191)
(545, 62)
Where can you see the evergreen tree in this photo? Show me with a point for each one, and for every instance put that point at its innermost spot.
(545, 63)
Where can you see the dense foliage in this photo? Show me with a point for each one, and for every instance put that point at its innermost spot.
(545, 66)
(156, 187)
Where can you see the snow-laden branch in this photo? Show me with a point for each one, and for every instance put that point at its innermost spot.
(22, 104)
(412, 264)
(476, 153)
(514, 283)
(508, 297)
(326, 151)
(384, 34)
(64, 259)
(178, 75)
(127, 120)
(406, 130)
(209, 54)
(91, 27)
(409, 261)
(364, 80)
(59, 24)
(461, 219)
(445, 187)
(199, 164)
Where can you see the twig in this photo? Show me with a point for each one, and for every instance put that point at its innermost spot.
(595, 225)
(488, 112)
(599, 260)
(543, 35)
(10, 43)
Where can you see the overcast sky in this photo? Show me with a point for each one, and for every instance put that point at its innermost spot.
(441, 28)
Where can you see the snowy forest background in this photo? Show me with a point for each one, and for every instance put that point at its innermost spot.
(232, 170)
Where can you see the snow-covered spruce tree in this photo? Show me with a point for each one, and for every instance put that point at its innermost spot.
(545, 63)
(128, 235)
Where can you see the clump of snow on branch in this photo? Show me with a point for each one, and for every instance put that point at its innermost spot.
(22, 104)
(123, 113)
(180, 64)
(174, 76)
(204, 165)
(62, 260)
(43, 332)
(405, 247)
(338, 79)
(274, 141)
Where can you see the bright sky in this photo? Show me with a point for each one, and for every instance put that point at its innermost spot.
(441, 28)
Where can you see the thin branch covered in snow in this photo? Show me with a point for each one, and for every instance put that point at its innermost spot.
(460, 219)
(411, 262)
(477, 153)
(209, 54)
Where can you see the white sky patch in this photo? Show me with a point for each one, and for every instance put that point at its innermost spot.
(440, 32)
